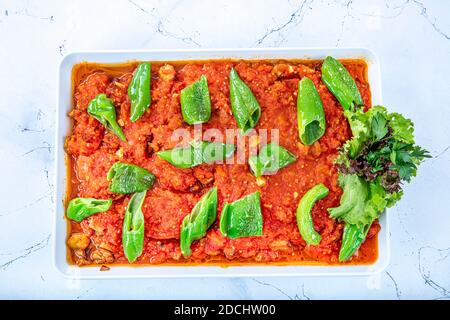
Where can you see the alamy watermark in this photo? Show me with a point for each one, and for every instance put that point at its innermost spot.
(245, 145)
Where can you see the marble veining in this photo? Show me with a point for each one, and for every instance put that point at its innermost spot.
(409, 36)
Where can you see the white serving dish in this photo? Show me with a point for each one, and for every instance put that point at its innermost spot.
(63, 125)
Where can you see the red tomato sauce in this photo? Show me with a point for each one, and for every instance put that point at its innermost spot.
(92, 150)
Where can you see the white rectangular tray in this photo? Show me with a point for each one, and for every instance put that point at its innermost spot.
(63, 126)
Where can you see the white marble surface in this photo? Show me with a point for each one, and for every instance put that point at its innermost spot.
(411, 38)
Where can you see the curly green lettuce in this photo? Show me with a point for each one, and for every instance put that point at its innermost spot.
(382, 147)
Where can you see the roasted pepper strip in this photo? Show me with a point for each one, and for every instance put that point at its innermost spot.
(127, 178)
(245, 107)
(133, 227)
(270, 159)
(242, 218)
(310, 114)
(196, 223)
(352, 238)
(196, 153)
(341, 84)
(102, 109)
(81, 208)
(304, 219)
(196, 102)
(139, 91)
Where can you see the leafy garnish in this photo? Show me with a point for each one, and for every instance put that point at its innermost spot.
(372, 166)
(382, 146)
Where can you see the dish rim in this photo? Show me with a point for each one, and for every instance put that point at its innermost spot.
(64, 89)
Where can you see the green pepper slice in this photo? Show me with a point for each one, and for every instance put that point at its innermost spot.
(310, 114)
(196, 223)
(341, 84)
(139, 91)
(352, 238)
(102, 109)
(304, 219)
(195, 102)
(133, 227)
(81, 208)
(271, 158)
(196, 153)
(242, 218)
(127, 178)
(245, 107)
